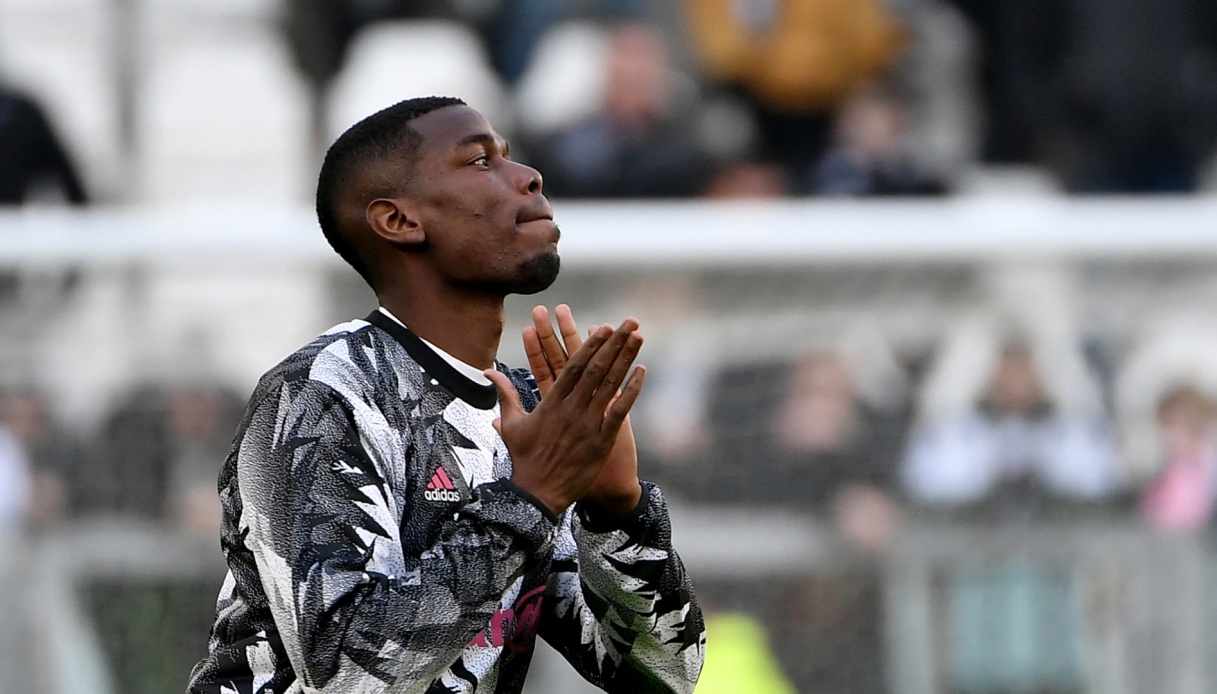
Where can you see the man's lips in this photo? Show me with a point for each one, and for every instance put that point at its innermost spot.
(534, 214)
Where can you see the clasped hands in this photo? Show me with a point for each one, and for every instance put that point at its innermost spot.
(577, 445)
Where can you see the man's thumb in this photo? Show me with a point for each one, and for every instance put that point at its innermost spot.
(509, 398)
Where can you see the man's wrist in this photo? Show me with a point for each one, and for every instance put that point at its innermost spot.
(609, 508)
(524, 494)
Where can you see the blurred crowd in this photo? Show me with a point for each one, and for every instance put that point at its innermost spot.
(154, 457)
(1011, 419)
(627, 99)
(833, 97)
(1006, 423)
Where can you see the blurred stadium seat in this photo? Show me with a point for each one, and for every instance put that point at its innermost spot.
(391, 61)
(189, 12)
(222, 118)
(565, 79)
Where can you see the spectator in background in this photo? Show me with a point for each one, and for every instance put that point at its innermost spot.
(14, 481)
(794, 62)
(1143, 91)
(642, 143)
(1014, 451)
(1021, 53)
(871, 153)
(839, 451)
(820, 433)
(201, 420)
(1165, 398)
(1112, 95)
(808, 422)
(843, 447)
(161, 449)
(161, 452)
(52, 454)
(1021, 436)
(33, 161)
(1181, 497)
(128, 476)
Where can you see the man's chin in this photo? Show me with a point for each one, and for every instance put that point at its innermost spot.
(537, 273)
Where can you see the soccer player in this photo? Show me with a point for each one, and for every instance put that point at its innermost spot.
(404, 514)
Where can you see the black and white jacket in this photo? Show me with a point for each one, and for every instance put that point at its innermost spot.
(375, 544)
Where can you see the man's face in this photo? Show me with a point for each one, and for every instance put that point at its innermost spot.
(1016, 387)
(488, 226)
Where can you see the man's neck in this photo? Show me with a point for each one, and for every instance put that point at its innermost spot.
(468, 329)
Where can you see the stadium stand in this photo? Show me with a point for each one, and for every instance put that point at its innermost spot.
(565, 79)
(238, 133)
(392, 60)
(63, 53)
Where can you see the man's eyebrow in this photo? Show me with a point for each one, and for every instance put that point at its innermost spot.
(485, 139)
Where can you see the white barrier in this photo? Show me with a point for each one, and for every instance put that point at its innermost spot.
(681, 234)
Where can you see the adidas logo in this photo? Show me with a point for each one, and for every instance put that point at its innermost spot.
(440, 488)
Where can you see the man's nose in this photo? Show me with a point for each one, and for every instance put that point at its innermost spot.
(530, 180)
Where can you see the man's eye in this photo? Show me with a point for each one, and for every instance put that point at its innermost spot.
(482, 161)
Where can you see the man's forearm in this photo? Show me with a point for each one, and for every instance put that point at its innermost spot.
(625, 611)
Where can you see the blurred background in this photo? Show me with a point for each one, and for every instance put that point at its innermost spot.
(928, 289)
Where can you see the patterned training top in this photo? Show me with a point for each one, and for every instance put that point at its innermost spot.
(375, 543)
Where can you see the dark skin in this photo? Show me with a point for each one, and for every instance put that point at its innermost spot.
(617, 486)
(470, 227)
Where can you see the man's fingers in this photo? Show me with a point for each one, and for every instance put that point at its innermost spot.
(536, 360)
(509, 399)
(568, 329)
(554, 353)
(572, 373)
(619, 369)
(601, 363)
(620, 407)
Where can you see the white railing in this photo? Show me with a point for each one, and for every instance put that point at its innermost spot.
(677, 234)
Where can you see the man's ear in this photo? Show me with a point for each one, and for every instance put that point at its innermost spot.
(395, 221)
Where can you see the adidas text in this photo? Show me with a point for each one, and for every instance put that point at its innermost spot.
(441, 495)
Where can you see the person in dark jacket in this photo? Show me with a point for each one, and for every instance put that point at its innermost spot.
(31, 156)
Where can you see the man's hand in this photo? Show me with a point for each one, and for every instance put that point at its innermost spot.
(559, 450)
(616, 490)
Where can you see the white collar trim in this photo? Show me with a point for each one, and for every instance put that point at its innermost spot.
(467, 370)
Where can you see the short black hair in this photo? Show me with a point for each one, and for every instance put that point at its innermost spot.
(383, 136)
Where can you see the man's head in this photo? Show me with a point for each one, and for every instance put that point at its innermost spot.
(427, 187)
(1185, 415)
(639, 90)
(1016, 387)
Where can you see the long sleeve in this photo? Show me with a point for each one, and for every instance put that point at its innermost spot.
(950, 462)
(620, 606)
(354, 612)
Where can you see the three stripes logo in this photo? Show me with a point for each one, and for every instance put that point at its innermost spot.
(440, 488)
